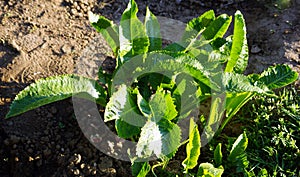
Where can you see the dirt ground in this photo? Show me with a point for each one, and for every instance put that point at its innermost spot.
(40, 38)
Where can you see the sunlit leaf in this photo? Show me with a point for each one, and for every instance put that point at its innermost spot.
(239, 49)
(193, 147)
(51, 89)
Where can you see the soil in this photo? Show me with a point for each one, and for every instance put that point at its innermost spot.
(46, 38)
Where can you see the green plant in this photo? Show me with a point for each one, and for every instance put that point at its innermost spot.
(235, 158)
(273, 132)
(165, 84)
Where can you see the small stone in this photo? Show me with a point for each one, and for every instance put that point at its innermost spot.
(10, 123)
(30, 150)
(57, 146)
(53, 110)
(30, 159)
(47, 152)
(105, 164)
(6, 142)
(14, 139)
(255, 49)
(73, 11)
(93, 172)
(77, 158)
(76, 172)
(49, 115)
(45, 139)
(82, 166)
(39, 163)
(66, 49)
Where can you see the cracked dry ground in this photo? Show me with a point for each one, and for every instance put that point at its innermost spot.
(40, 38)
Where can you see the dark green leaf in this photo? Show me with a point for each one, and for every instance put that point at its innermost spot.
(175, 47)
(217, 28)
(238, 147)
(234, 102)
(196, 26)
(143, 105)
(218, 155)
(126, 130)
(140, 169)
(121, 106)
(51, 89)
(237, 83)
(278, 76)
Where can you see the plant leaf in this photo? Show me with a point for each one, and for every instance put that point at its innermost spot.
(195, 27)
(161, 139)
(217, 28)
(193, 67)
(237, 83)
(238, 148)
(278, 76)
(143, 105)
(140, 169)
(239, 50)
(132, 34)
(218, 155)
(153, 31)
(121, 106)
(208, 170)
(51, 89)
(217, 110)
(108, 30)
(193, 147)
(126, 130)
(162, 106)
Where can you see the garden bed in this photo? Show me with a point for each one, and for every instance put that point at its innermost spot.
(46, 39)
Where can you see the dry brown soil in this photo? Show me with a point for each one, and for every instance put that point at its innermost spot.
(40, 38)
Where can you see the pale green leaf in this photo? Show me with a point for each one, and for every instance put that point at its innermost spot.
(161, 139)
(193, 147)
(153, 31)
(239, 51)
(108, 30)
(217, 110)
(162, 106)
(51, 89)
(208, 170)
(150, 142)
(132, 33)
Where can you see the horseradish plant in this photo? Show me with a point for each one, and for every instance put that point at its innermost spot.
(166, 83)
